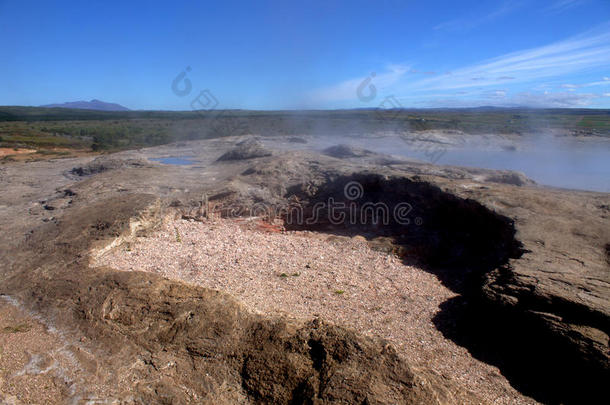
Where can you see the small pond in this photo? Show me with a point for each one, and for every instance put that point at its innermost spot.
(175, 160)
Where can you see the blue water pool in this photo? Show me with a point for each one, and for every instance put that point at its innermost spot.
(175, 160)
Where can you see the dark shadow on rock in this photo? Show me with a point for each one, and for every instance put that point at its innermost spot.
(459, 241)
(247, 149)
(456, 239)
(535, 362)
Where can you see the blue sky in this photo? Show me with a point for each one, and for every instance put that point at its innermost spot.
(285, 55)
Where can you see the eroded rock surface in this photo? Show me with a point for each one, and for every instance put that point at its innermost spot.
(534, 290)
(247, 149)
(104, 163)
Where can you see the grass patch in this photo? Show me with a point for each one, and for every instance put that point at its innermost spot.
(19, 328)
(49, 128)
(48, 152)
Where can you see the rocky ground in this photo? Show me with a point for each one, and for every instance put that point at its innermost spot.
(308, 275)
(527, 268)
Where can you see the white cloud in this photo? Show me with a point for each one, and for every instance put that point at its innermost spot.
(563, 5)
(603, 82)
(496, 94)
(585, 51)
(347, 90)
(463, 24)
(523, 99)
(606, 94)
(537, 68)
(548, 99)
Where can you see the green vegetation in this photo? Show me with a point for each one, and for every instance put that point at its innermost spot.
(595, 122)
(84, 135)
(284, 275)
(88, 130)
(22, 327)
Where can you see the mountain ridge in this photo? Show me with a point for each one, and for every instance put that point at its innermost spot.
(89, 105)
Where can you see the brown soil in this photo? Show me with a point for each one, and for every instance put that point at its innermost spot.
(527, 265)
(309, 275)
(12, 151)
(42, 365)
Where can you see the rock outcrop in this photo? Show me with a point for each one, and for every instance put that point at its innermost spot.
(529, 265)
(248, 149)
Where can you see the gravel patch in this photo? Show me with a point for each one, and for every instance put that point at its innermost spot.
(305, 274)
(42, 365)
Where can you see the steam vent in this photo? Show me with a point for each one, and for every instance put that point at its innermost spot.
(305, 203)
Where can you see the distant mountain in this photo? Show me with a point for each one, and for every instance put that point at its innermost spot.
(89, 105)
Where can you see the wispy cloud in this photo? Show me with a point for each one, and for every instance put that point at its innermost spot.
(537, 68)
(529, 99)
(562, 5)
(467, 23)
(604, 82)
(346, 90)
(498, 93)
(547, 99)
(427, 72)
(555, 60)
